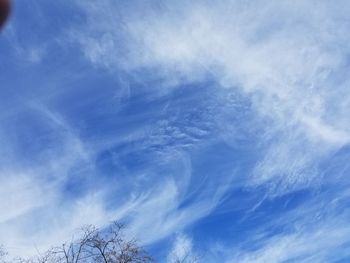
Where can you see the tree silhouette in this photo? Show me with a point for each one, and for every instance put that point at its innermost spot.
(93, 246)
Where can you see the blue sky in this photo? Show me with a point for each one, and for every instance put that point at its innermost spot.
(219, 130)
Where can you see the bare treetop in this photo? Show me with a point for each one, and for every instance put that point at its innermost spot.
(94, 246)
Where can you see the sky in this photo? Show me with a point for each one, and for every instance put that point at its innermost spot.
(218, 130)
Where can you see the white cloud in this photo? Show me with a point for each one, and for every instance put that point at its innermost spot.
(284, 59)
(31, 189)
(323, 244)
(40, 214)
(20, 193)
(182, 250)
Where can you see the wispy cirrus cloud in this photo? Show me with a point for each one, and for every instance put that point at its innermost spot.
(182, 250)
(64, 187)
(317, 232)
(168, 109)
(285, 60)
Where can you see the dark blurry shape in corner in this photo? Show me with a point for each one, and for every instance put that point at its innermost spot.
(5, 8)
